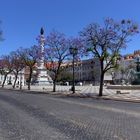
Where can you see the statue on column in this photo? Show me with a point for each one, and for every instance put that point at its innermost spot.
(43, 78)
(41, 31)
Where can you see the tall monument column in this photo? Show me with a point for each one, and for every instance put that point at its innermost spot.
(42, 78)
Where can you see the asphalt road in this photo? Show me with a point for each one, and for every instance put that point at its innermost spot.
(25, 116)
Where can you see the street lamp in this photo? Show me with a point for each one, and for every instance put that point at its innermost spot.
(73, 52)
(137, 73)
(137, 61)
(21, 79)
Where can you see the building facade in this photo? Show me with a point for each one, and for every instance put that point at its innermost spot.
(86, 71)
(127, 68)
(11, 78)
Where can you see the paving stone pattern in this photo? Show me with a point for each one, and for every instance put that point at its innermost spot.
(26, 116)
(94, 90)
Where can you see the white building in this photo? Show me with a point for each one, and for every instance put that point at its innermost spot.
(11, 78)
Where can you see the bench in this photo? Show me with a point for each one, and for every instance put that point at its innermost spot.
(119, 92)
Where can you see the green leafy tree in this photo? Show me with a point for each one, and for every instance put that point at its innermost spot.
(126, 72)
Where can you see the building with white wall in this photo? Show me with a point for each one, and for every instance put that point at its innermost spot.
(11, 78)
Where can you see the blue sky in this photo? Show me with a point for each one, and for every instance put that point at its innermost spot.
(22, 19)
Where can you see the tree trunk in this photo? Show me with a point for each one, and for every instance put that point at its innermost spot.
(30, 77)
(101, 84)
(20, 85)
(54, 86)
(15, 80)
(5, 76)
(54, 82)
(101, 79)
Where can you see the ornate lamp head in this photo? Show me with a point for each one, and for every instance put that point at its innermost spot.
(73, 50)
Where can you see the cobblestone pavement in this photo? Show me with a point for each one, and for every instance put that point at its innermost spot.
(26, 116)
(94, 90)
(91, 91)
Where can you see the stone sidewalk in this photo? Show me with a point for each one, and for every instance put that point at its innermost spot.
(88, 91)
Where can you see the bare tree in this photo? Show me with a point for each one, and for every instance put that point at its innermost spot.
(30, 57)
(106, 42)
(18, 65)
(56, 53)
(6, 67)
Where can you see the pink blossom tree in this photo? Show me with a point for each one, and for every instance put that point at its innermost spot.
(105, 42)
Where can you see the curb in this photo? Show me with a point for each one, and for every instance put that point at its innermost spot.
(35, 92)
(105, 98)
(123, 100)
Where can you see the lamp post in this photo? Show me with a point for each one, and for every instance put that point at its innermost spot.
(73, 52)
(21, 80)
(137, 73)
(138, 63)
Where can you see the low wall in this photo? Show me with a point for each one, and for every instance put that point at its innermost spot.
(125, 87)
